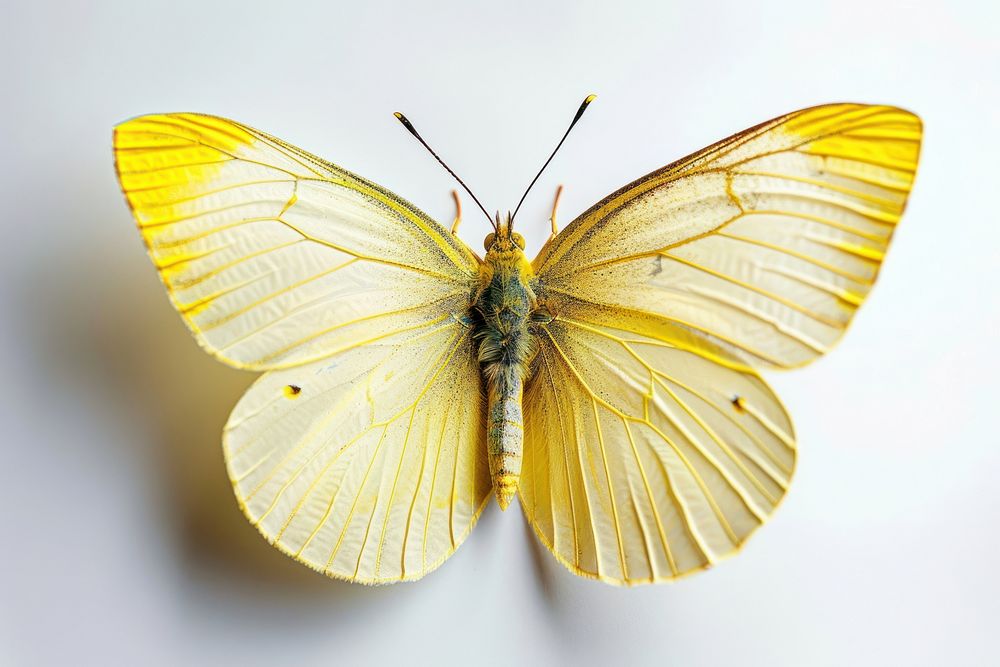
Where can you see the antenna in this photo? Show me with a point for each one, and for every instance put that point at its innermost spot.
(409, 126)
(579, 113)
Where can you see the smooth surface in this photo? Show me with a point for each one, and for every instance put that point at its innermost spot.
(123, 540)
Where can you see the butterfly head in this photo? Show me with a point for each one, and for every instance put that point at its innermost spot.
(503, 239)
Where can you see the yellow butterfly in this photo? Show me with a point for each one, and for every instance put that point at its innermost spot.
(611, 383)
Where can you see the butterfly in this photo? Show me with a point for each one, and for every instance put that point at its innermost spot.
(611, 383)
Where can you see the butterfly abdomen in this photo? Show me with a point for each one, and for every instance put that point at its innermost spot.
(505, 433)
(502, 312)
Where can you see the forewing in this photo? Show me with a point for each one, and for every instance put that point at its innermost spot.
(273, 256)
(370, 465)
(764, 244)
(644, 462)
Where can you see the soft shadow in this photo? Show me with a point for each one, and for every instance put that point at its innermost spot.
(113, 341)
(545, 567)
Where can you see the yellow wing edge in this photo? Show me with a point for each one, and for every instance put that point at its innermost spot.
(118, 144)
(801, 123)
(629, 583)
(333, 575)
(912, 168)
(675, 169)
(225, 136)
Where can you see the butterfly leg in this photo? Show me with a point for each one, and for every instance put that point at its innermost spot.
(555, 205)
(458, 212)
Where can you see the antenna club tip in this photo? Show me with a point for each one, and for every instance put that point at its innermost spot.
(590, 98)
(398, 115)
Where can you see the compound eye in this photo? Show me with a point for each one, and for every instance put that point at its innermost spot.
(488, 243)
(518, 240)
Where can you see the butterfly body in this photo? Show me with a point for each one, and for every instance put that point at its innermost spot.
(502, 313)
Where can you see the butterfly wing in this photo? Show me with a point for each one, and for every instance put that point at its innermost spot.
(765, 243)
(370, 465)
(272, 256)
(644, 461)
(652, 446)
(361, 451)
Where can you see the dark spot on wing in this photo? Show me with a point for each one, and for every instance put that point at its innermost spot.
(657, 266)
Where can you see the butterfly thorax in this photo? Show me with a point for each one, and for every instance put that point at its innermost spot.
(502, 314)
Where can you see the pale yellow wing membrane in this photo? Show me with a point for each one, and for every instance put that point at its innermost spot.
(273, 256)
(369, 465)
(764, 244)
(644, 462)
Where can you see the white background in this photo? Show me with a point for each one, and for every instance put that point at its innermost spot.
(119, 538)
